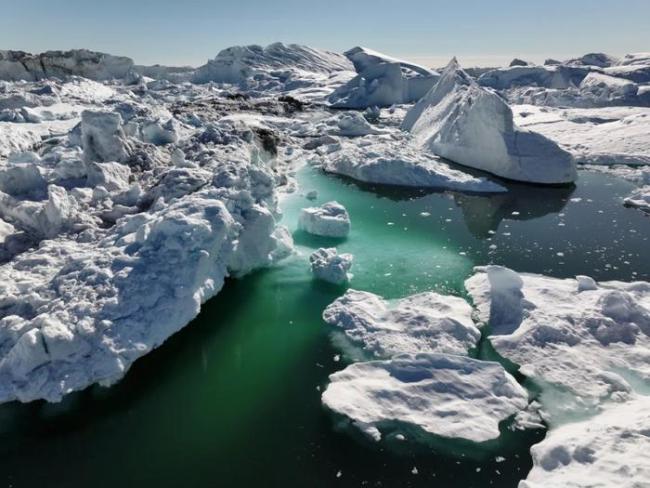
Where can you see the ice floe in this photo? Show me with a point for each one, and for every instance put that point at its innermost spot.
(583, 342)
(609, 449)
(426, 322)
(443, 394)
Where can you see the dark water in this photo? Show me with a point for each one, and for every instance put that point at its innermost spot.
(234, 400)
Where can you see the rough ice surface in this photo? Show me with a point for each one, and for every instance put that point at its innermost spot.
(609, 449)
(382, 81)
(470, 125)
(276, 67)
(328, 265)
(111, 235)
(610, 135)
(583, 342)
(426, 322)
(443, 394)
(393, 160)
(329, 220)
(639, 199)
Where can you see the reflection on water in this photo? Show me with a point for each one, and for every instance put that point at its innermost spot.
(234, 399)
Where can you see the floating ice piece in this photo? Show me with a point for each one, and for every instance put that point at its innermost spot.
(426, 322)
(446, 395)
(328, 220)
(463, 122)
(639, 199)
(328, 265)
(577, 339)
(394, 161)
(610, 449)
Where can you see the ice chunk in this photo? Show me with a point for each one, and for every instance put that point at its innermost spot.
(446, 395)
(354, 124)
(394, 161)
(102, 136)
(426, 322)
(639, 198)
(22, 179)
(609, 449)
(328, 265)
(112, 176)
(382, 81)
(575, 338)
(463, 122)
(328, 220)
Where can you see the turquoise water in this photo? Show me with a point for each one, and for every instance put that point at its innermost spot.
(234, 399)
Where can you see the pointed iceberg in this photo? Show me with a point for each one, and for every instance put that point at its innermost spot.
(471, 125)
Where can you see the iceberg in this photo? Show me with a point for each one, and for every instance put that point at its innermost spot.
(470, 125)
(382, 81)
(329, 220)
(328, 265)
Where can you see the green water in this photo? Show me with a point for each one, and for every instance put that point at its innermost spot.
(234, 399)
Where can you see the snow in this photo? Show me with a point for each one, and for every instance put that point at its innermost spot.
(611, 135)
(582, 342)
(328, 265)
(609, 449)
(382, 81)
(329, 220)
(461, 121)
(443, 394)
(422, 323)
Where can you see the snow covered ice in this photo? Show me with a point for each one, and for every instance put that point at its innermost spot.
(426, 322)
(466, 123)
(580, 340)
(329, 220)
(328, 265)
(444, 394)
(382, 81)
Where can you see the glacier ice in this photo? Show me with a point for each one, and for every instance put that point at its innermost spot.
(328, 265)
(576, 338)
(329, 220)
(466, 123)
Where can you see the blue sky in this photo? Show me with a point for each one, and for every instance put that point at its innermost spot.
(430, 31)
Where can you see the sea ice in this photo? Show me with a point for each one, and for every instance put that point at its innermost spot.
(443, 394)
(426, 322)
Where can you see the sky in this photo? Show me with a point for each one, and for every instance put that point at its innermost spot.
(188, 32)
